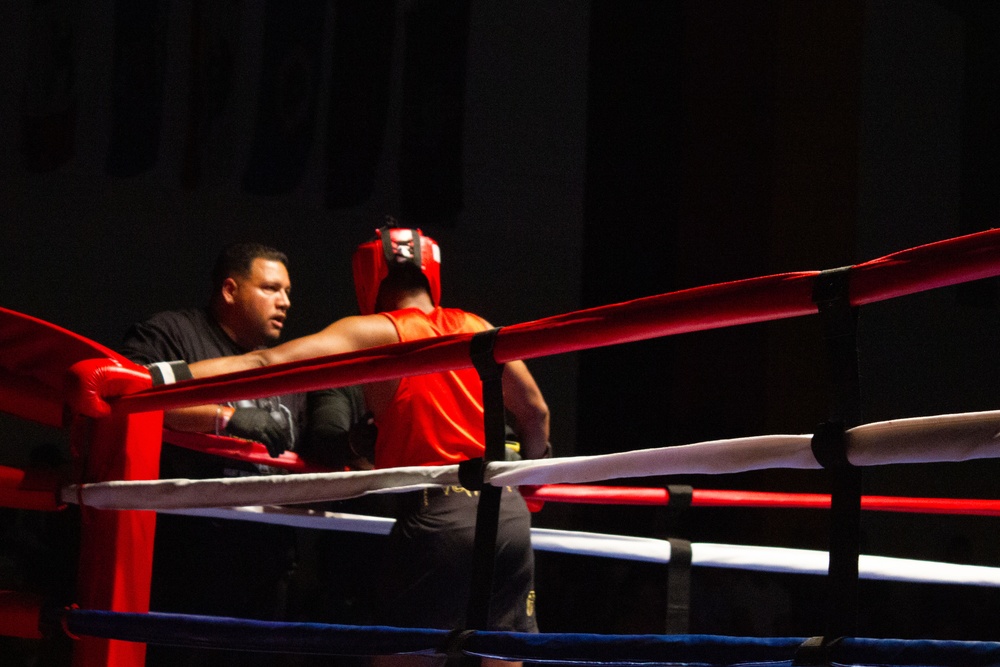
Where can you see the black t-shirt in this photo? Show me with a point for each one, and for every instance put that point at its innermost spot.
(189, 335)
(193, 335)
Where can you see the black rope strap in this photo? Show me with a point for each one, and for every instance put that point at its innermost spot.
(814, 652)
(453, 645)
(488, 509)
(678, 619)
(679, 496)
(829, 445)
(491, 373)
(831, 294)
(831, 289)
(470, 473)
(481, 353)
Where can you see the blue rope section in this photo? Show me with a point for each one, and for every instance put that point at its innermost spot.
(580, 649)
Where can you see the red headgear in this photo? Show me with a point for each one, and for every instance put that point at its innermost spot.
(394, 246)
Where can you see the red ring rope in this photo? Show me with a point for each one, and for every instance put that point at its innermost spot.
(766, 298)
(32, 490)
(239, 450)
(621, 495)
(20, 614)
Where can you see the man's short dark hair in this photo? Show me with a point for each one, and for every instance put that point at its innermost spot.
(237, 260)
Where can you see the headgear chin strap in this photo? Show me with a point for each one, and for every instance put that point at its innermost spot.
(393, 246)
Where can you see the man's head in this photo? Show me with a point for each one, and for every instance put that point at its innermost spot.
(251, 293)
(403, 260)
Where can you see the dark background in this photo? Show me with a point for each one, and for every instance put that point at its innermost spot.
(565, 155)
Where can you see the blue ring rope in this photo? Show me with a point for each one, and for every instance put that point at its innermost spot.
(549, 648)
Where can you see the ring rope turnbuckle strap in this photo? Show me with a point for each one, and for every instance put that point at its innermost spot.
(169, 372)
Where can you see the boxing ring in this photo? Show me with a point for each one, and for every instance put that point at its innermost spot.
(114, 421)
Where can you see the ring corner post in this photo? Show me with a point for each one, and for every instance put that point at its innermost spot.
(116, 546)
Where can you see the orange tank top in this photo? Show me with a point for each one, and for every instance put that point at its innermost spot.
(434, 419)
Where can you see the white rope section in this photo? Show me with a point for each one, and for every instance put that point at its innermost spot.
(296, 517)
(939, 439)
(944, 438)
(165, 494)
(645, 549)
(763, 559)
(712, 457)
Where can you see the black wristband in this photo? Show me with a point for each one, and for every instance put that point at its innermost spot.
(169, 372)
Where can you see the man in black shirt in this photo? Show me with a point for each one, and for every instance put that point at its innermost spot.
(249, 303)
(220, 567)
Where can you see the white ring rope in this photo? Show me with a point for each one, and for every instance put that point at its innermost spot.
(166, 494)
(943, 438)
(295, 517)
(644, 549)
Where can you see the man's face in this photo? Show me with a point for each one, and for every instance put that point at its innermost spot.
(258, 303)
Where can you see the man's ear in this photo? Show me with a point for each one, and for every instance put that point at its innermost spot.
(229, 288)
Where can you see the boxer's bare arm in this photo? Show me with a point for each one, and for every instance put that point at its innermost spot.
(344, 335)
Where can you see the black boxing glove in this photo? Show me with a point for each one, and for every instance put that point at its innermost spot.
(257, 424)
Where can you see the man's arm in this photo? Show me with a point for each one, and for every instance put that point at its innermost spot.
(170, 336)
(344, 335)
(195, 418)
(159, 340)
(340, 431)
(524, 400)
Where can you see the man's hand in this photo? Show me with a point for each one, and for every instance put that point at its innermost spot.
(257, 424)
